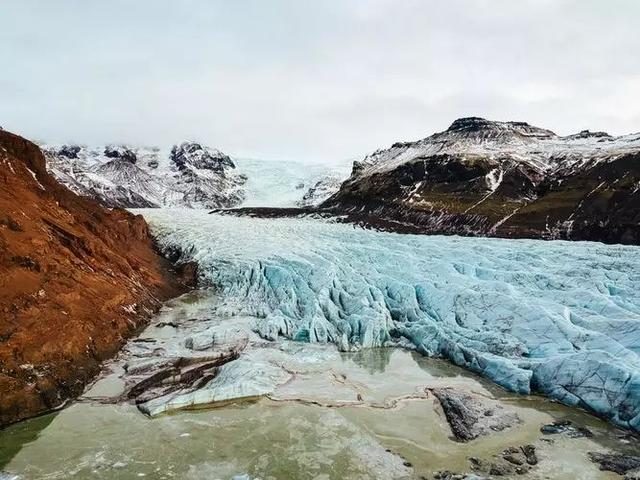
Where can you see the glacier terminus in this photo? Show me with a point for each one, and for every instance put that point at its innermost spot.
(557, 318)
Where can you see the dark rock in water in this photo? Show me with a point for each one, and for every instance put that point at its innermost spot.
(180, 373)
(514, 456)
(615, 462)
(530, 454)
(524, 455)
(167, 324)
(121, 153)
(501, 469)
(513, 460)
(567, 427)
(447, 475)
(497, 467)
(471, 416)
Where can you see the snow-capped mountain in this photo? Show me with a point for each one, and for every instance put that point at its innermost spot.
(189, 175)
(510, 179)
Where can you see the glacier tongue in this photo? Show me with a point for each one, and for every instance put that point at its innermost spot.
(553, 317)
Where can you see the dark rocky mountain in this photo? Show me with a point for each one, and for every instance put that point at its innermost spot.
(189, 175)
(505, 179)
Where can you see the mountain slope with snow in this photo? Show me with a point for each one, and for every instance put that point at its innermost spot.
(189, 175)
(508, 179)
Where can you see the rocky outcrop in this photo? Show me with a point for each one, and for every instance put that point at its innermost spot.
(567, 428)
(505, 179)
(190, 175)
(513, 460)
(471, 416)
(616, 462)
(76, 279)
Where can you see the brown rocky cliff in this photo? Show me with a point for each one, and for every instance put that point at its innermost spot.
(75, 280)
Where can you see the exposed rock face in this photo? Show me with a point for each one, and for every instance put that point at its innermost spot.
(506, 179)
(190, 175)
(75, 280)
(119, 152)
(195, 155)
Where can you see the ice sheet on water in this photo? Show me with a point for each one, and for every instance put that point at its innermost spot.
(556, 317)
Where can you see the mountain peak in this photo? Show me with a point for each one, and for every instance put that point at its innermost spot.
(199, 156)
(589, 134)
(120, 152)
(470, 124)
(478, 126)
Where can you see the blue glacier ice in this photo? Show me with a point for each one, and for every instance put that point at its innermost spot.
(284, 183)
(559, 318)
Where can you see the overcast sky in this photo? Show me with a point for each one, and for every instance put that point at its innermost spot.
(314, 80)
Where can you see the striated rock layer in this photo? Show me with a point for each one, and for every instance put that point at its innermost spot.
(504, 179)
(75, 280)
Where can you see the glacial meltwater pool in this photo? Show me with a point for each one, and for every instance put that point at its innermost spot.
(309, 355)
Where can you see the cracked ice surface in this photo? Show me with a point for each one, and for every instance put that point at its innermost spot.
(561, 318)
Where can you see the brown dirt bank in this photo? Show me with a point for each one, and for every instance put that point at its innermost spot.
(76, 279)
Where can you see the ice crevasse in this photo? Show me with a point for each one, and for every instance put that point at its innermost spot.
(557, 318)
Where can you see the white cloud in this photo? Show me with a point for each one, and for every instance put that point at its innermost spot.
(313, 80)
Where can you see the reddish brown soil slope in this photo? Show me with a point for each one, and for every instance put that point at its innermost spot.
(75, 280)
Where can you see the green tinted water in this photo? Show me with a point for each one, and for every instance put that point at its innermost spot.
(308, 429)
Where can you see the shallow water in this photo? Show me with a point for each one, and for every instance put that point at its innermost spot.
(292, 433)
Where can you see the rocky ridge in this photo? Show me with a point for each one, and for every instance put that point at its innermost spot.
(76, 279)
(505, 179)
(189, 175)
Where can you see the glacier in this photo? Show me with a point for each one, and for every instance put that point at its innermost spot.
(289, 183)
(556, 318)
